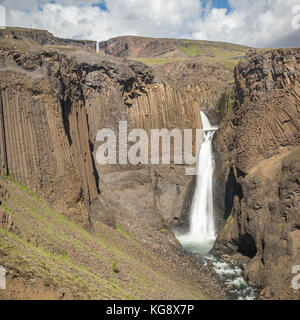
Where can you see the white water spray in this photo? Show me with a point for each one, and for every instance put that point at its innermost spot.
(202, 231)
(97, 46)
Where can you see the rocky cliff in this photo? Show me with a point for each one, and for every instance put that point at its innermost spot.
(33, 37)
(152, 51)
(54, 101)
(142, 47)
(55, 97)
(258, 158)
(44, 128)
(153, 197)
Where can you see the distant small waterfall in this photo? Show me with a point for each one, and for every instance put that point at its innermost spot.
(202, 231)
(97, 46)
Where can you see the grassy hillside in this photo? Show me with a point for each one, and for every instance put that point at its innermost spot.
(227, 54)
(48, 256)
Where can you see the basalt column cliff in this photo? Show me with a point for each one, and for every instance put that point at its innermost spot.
(113, 223)
(54, 100)
(258, 146)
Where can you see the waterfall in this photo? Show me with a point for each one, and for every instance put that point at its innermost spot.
(97, 46)
(202, 231)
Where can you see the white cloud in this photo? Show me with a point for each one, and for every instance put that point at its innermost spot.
(261, 23)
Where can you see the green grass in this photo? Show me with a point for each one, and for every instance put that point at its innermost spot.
(115, 267)
(122, 231)
(51, 249)
(157, 61)
(191, 50)
(228, 224)
(226, 54)
(25, 29)
(63, 48)
(163, 231)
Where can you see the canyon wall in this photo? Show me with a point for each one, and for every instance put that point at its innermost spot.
(258, 158)
(148, 199)
(54, 102)
(44, 129)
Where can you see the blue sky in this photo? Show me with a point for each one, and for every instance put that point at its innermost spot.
(101, 5)
(215, 4)
(218, 4)
(257, 23)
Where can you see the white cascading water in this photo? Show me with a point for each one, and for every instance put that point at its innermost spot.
(202, 231)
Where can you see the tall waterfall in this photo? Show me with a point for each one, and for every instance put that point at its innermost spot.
(202, 231)
(97, 46)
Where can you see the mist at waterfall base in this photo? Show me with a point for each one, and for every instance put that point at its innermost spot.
(202, 232)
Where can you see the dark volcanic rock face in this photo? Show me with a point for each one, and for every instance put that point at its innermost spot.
(138, 47)
(44, 125)
(150, 197)
(259, 155)
(54, 102)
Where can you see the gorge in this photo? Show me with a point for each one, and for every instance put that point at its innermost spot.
(73, 229)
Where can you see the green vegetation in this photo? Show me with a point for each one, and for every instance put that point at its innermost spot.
(163, 230)
(214, 49)
(281, 228)
(228, 225)
(63, 48)
(192, 50)
(230, 104)
(122, 231)
(226, 102)
(25, 29)
(115, 267)
(227, 54)
(157, 61)
(20, 45)
(45, 247)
